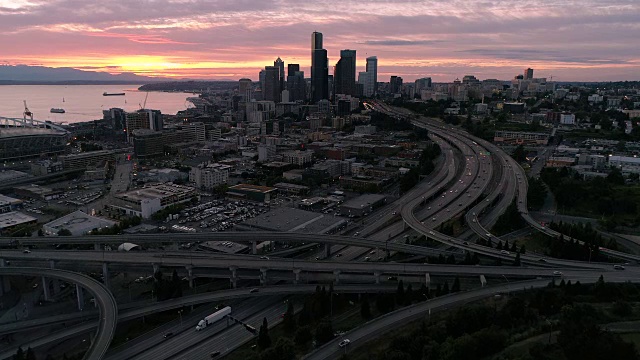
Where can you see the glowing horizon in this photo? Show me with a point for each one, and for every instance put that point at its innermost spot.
(571, 40)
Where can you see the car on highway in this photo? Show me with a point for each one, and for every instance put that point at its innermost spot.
(344, 343)
(214, 354)
(168, 335)
(392, 278)
(372, 252)
(504, 252)
(618, 267)
(255, 290)
(26, 251)
(465, 243)
(434, 219)
(557, 273)
(542, 260)
(366, 258)
(339, 255)
(264, 258)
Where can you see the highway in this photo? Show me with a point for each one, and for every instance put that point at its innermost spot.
(106, 303)
(137, 312)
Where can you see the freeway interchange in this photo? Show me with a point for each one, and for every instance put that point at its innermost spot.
(466, 184)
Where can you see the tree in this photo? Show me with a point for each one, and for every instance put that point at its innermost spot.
(289, 321)
(519, 154)
(522, 249)
(400, 293)
(303, 336)
(324, 332)
(19, 354)
(516, 262)
(456, 285)
(40, 232)
(264, 341)
(445, 288)
(64, 232)
(30, 355)
(365, 308)
(408, 297)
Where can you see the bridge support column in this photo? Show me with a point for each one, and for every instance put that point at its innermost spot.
(254, 247)
(5, 286)
(427, 279)
(376, 275)
(327, 250)
(176, 245)
(55, 282)
(105, 274)
(483, 281)
(190, 275)
(296, 272)
(156, 268)
(404, 225)
(336, 273)
(234, 277)
(80, 297)
(45, 288)
(263, 276)
(96, 247)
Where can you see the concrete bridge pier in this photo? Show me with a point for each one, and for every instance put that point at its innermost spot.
(105, 274)
(45, 288)
(296, 272)
(427, 279)
(156, 269)
(263, 276)
(190, 275)
(80, 297)
(254, 247)
(327, 250)
(483, 281)
(5, 285)
(336, 273)
(96, 246)
(55, 282)
(234, 277)
(376, 275)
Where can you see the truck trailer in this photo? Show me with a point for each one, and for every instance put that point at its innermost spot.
(216, 316)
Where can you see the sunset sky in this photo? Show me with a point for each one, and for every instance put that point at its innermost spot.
(573, 40)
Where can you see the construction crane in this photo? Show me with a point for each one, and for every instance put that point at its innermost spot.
(144, 105)
(27, 112)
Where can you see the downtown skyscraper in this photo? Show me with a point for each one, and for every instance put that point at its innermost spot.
(369, 78)
(319, 69)
(344, 75)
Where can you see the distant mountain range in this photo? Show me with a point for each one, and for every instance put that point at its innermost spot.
(42, 75)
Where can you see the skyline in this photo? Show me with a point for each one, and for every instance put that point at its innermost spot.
(444, 40)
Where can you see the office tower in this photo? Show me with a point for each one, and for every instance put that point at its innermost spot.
(319, 69)
(272, 84)
(280, 65)
(261, 76)
(372, 68)
(395, 85)
(365, 79)
(296, 83)
(528, 74)
(245, 89)
(116, 117)
(344, 75)
(423, 83)
(292, 68)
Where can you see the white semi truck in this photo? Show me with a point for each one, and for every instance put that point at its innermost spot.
(210, 319)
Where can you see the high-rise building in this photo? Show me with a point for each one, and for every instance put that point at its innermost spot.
(528, 74)
(116, 117)
(319, 69)
(261, 76)
(423, 83)
(280, 65)
(143, 119)
(271, 89)
(372, 68)
(296, 83)
(245, 89)
(292, 68)
(344, 75)
(395, 85)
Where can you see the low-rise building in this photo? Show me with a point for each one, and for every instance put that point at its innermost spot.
(362, 205)
(8, 204)
(560, 161)
(149, 199)
(82, 160)
(521, 138)
(37, 192)
(298, 157)
(11, 221)
(252, 192)
(626, 164)
(293, 189)
(207, 176)
(44, 167)
(78, 223)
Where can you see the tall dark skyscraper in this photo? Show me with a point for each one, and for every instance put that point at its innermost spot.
(272, 84)
(296, 84)
(344, 75)
(280, 65)
(528, 73)
(319, 69)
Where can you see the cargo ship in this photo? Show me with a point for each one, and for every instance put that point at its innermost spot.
(112, 94)
(57, 110)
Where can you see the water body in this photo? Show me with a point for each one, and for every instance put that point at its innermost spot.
(83, 102)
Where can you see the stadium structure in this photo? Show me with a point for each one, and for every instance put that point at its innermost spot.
(28, 138)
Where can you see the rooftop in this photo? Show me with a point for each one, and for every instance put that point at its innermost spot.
(294, 220)
(362, 201)
(8, 175)
(27, 131)
(79, 223)
(252, 188)
(14, 218)
(157, 191)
